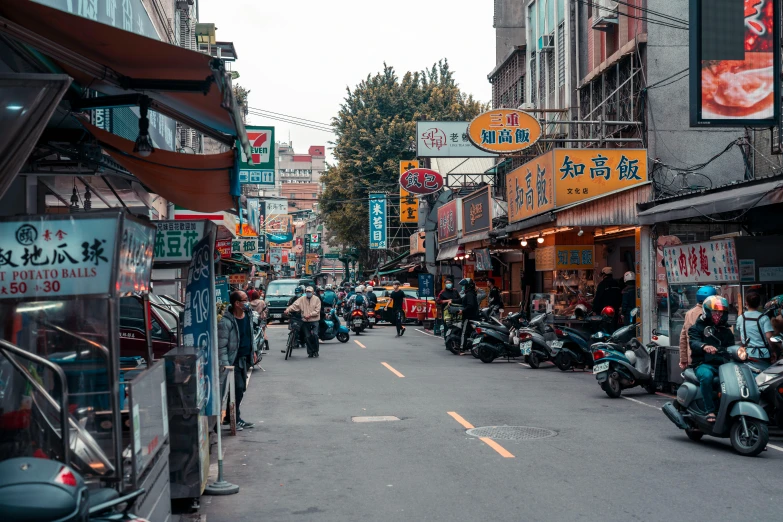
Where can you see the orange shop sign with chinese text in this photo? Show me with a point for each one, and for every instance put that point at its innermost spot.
(563, 177)
(504, 131)
(530, 188)
(586, 173)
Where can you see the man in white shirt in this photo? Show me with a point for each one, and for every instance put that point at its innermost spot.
(755, 329)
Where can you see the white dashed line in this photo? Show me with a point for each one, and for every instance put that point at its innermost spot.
(426, 333)
(639, 402)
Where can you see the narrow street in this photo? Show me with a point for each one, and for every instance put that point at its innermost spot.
(608, 459)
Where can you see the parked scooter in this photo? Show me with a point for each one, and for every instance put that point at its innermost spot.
(372, 318)
(492, 340)
(357, 321)
(538, 341)
(333, 328)
(35, 489)
(740, 418)
(576, 349)
(452, 332)
(770, 383)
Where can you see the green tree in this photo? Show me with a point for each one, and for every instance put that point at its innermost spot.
(376, 129)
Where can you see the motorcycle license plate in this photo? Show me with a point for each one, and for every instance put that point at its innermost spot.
(277, 316)
(477, 340)
(372, 319)
(526, 347)
(357, 322)
(600, 368)
(557, 344)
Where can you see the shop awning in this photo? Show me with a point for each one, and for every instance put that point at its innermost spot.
(190, 87)
(447, 252)
(196, 182)
(738, 196)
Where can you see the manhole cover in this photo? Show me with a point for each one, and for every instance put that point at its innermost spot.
(511, 432)
(380, 418)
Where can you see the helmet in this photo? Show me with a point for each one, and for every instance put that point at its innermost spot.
(329, 286)
(299, 289)
(629, 276)
(467, 282)
(608, 311)
(631, 357)
(716, 310)
(704, 292)
(309, 289)
(774, 306)
(607, 270)
(580, 311)
(368, 288)
(360, 289)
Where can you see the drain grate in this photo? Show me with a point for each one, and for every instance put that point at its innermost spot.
(511, 432)
(379, 418)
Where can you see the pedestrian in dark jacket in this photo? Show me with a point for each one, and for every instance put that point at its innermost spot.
(235, 346)
(470, 309)
(628, 296)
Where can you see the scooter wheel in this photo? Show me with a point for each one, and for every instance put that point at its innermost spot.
(533, 361)
(563, 361)
(612, 387)
(756, 441)
(452, 344)
(342, 337)
(486, 355)
(694, 435)
(651, 388)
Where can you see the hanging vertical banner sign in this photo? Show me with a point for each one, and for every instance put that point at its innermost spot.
(734, 63)
(710, 262)
(377, 221)
(200, 322)
(409, 205)
(262, 150)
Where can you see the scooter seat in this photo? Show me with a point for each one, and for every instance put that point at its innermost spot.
(690, 376)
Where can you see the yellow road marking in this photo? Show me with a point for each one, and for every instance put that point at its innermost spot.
(360, 344)
(489, 442)
(458, 418)
(395, 372)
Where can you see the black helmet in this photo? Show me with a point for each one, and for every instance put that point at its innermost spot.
(467, 282)
(299, 290)
(716, 310)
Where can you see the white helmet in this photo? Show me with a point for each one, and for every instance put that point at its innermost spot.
(329, 286)
(631, 357)
(629, 276)
(368, 288)
(360, 289)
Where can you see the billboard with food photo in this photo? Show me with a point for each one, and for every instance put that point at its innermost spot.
(734, 63)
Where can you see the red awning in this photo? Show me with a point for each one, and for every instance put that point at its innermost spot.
(114, 61)
(196, 182)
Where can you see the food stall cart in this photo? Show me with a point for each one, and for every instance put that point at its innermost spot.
(61, 280)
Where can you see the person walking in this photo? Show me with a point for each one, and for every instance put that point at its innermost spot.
(309, 306)
(258, 305)
(470, 302)
(235, 345)
(691, 316)
(397, 297)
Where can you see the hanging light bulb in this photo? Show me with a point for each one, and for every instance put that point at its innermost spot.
(87, 196)
(581, 232)
(74, 198)
(524, 242)
(143, 146)
(540, 240)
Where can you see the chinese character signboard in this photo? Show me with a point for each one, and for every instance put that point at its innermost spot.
(446, 139)
(709, 262)
(275, 256)
(377, 221)
(262, 146)
(421, 181)
(530, 189)
(417, 243)
(134, 263)
(585, 173)
(483, 261)
(175, 240)
(426, 285)
(279, 224)
(447, 221)
(734, 63)
(245, 245)
(57, 257)
(409, 205)
(504, 131)
(224, 247)
(577, 257)
(199, 326)
(477, 212)
(565, 176)
(221, 289)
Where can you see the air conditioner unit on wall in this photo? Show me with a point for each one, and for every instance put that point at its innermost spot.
(527, 106)
(546, 42)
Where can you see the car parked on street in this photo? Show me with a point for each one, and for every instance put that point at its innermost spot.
(279, 292)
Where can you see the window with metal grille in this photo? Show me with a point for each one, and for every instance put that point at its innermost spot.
(533, 76)
(550, 70)
(561, 55)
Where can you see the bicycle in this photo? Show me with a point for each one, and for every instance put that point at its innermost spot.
(293, 333)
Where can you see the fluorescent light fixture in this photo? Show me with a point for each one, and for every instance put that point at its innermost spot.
(37, 307)
(13, 107)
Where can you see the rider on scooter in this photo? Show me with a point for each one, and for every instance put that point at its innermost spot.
(704, 348)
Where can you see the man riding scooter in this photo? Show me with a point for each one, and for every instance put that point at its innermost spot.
(704, 349)
(300, 339)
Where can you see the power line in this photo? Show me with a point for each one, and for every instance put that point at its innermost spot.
(647, 10)
(292, 122)
(289, 116)
(645, 19)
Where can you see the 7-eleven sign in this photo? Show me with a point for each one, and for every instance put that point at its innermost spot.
(262, 149)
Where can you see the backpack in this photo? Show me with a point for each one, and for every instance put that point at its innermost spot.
(359, 300)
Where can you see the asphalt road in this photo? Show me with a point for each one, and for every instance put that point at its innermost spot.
(610, 459)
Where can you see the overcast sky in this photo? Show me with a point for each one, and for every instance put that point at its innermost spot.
(298, 56)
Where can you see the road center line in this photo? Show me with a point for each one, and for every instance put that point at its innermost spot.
(524, 364)
(395, 372)
(639, 402)
(486, 440)
(360, 344)
(774, 447)
(426, 333)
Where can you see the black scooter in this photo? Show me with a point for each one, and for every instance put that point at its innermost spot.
(494, 340)
(538, 342)
(34, 490)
